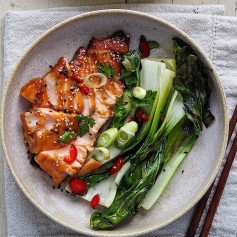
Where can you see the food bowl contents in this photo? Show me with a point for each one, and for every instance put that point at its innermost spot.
(117, 121)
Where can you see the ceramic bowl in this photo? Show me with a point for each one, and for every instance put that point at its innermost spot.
(184, 190)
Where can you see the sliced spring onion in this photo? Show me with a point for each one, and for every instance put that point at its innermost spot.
(101, 154)
(102, 77)
(126, 133)
(139, 92)
(107, 138)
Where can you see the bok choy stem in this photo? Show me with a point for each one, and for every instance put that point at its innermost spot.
(129, 201)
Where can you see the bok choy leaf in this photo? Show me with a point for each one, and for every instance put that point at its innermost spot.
(128, 200)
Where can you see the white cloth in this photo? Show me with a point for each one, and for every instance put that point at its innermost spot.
(216, 34)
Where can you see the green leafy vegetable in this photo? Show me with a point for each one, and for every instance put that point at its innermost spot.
(130, 79)
(179, 144)
(119, 113)
(132, 62)
(191, 83)
(126, 103)
(148, 100)
(84, 127)
(152, 44)
(168, 65)
(106, 69)
(130, 196)
(67, 136)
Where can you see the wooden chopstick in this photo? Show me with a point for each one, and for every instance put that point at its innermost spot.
(202, 203)
(219, 190)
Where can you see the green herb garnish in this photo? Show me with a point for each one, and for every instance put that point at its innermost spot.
(151, 43)
(132, 63)
(119, 113)
(67, 136)
(148, 100)
(84, 127)
(106, 69)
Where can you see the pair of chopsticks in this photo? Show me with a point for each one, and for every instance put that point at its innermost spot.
(219, 190)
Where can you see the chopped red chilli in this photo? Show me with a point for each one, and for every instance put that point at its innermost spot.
(138, 114)
(162, 118)
(145, 117)
(95, 201)
(131, 119)
(77, 185)
(145, 50)
(84, 89)
(117, 166)
(141, 116)
(75, 77)
(72, 155)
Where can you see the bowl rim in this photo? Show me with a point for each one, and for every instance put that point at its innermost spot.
(193, 44)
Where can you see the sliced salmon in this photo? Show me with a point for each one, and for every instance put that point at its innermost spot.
(108, 50)
(58, 96)
(56, 89)
(43, 126)
(89, 166)
(53, 162)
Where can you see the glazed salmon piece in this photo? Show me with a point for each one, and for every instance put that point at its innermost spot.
(42, 127)
(82, 66)
(108, 50)
(35, 92)
(53, 162)
(56, 89)
(117, 42)
(89, 166)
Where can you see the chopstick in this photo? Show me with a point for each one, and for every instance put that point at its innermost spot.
(202, 203)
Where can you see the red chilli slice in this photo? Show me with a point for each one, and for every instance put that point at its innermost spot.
(162, 118)
(95, 201)
(77, 185)
(141, 116)
(84, 89)
(145, 117)
(145, 50)
(73, 155)
(131, 119)
(117, 166)
(75, 77)
(73, 152)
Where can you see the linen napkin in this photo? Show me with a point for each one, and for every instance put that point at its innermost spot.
(217, 37)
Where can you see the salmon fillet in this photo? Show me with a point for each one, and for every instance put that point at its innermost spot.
(42, 127)
(60, 91)
(53, 162)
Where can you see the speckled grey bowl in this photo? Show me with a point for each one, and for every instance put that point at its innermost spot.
(183, 191)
